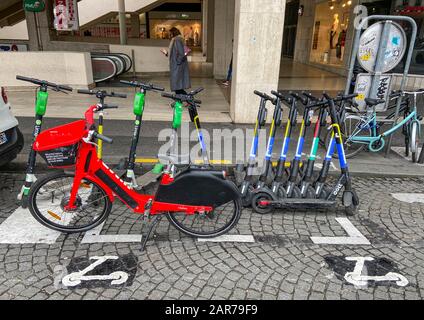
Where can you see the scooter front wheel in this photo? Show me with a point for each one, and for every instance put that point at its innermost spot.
(259, 203)
(208, 225)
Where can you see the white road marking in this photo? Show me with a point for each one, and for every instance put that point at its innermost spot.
(230, 238)
(358, 279)
(21, 228)
(74, 279)
(401, 151)
(409, 197)
(94, 236)
(355, 237)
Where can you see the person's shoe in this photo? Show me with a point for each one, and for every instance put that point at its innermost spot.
(226, 83)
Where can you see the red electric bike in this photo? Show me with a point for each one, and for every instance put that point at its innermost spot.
(198, 201)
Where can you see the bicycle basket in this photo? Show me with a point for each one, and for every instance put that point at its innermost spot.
(59, 146)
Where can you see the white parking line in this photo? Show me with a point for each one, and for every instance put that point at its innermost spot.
(94, 236)
(355, 236)
(230, 238)
(21, 228)
(409, 197)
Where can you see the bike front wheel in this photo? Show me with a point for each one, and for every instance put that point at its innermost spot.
(353, 125)
(50, 196)
(208, 225)
(414, 141)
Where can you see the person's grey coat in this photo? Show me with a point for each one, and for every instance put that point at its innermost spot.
(178, 64)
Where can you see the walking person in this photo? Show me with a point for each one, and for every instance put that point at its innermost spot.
(178, 62)
(227, 81)
(229, 74)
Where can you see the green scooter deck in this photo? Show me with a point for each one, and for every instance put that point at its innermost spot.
(151, 176)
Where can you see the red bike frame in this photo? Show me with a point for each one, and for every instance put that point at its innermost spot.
(89, 166)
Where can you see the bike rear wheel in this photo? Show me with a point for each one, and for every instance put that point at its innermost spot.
(50, 195)
(352, 124)
(208, 225)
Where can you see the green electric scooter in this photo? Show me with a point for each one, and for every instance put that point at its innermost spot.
(40, 111)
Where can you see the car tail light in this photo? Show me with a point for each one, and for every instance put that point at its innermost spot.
(4, 95)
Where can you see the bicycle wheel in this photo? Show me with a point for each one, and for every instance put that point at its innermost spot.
(414, 141)
(208, 225)
(48, 206)
(353, 125)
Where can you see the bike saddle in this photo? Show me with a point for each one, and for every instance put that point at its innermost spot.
(374, 102)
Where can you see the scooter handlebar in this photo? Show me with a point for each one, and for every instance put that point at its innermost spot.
(181, 97)
(263, 95)
(144, 86)
(45, 83)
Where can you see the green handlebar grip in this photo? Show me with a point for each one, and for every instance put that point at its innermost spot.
(41, 103)
(178, 115)
(139, 101)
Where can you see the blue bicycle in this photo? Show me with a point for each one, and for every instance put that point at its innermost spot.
(362, 130)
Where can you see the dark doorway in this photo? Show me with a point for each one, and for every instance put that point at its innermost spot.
(290, 28)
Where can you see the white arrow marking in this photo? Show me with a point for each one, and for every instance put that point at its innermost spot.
(21, 228)
(94, 236)
(74, 279)
(230, 238)
(355, 236)
(356, 278)
(409, 197)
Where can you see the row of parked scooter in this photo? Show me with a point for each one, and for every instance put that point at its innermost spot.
(296, 187)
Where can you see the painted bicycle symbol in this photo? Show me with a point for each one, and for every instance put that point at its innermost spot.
(75, 278)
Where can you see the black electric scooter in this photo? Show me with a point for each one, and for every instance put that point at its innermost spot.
(247, 186)
(281, 172)
(292, 190)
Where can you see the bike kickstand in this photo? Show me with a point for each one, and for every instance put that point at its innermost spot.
(152, 226)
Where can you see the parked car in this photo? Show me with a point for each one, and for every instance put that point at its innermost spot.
(11, 138)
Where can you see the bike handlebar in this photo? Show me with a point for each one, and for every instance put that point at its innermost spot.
(54, 86)
(102, 137)
(149, 86)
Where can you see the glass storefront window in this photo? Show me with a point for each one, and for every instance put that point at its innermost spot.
(190, 30)
(330, 30)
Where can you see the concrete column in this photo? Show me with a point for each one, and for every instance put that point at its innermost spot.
(258, 36)
(42, 40)
(122, 22)
(304, 34)
(223, 37)
(135, 25)
(204, 38)
(210, 30)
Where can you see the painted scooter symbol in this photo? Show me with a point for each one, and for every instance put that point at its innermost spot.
(74, 279)
(356, 278)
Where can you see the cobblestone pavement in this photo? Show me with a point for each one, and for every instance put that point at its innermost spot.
(282, 263)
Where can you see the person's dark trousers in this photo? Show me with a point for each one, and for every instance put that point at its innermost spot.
(230, 71)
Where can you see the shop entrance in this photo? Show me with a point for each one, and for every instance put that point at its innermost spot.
(290, 28)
